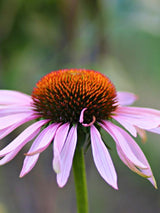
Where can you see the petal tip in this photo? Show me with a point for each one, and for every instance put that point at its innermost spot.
(61, 185)
(116, 187)
(21, 175)
(56, 166)
(155, 183)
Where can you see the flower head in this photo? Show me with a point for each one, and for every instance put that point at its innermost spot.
(62, 95)
(66, 101)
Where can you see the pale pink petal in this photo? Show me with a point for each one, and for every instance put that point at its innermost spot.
(59, 141)
(143, 118)
(10, 120)
(102, 158)
(126, 98)
(139, 154)
(10, 156)
(44, 139)
(122, 142)
(29, 163)
(60, 136)
(142, 134)
(27, 135)
(128, 163)
(66, 156)
(138, 111)
(141, 122)
(155, 130)
(14, 109)
(39, 145)
(81, 118)
(126, 125)
(14, 97)
(56, 163)
(7, 130)
(13, 153)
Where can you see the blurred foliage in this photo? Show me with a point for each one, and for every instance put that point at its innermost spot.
(120, 38)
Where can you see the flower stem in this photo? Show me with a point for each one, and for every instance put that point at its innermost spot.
(80, 180)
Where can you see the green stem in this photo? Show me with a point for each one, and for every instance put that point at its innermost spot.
(80, 181)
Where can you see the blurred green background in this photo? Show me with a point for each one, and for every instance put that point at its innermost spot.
(120, 38)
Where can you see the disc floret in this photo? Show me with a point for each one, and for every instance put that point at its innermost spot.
(62, 95)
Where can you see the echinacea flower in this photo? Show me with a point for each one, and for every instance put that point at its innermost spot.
(62, 103)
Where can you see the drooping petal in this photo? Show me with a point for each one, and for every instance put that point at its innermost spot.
(138, 152)
(126, 125)
(126, 98)
(10, 120)
(13, 109)
(29, 163)
(119, 136)
(142, 134)
(143, 118)
(14, 97)
(102, 158)
(7, 130)
(155, 130)
(8, 157)
(146, 173)
(128, 163)
(143, 122)
(56, 163)
(66, 156)
(39, 145)
(134, 148)
(44, 139)
(138, 111)
(59, 141)
(27, 135)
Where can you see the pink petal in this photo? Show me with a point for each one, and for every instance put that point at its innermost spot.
(128, 163)
(66, 156)
(59, 141)
(81, 118)
(139, 154)
(7, 130)
(10, 120)
(27, 135)
(126, 125)
(57, 163)
(9, 156)
(138, 111)
(102, 158)
(155, 130)
(142, 134)
(14, 97)
(142, 123)
(126, 98)
(14, 109)
(29, 163)
(143, 118)
(44, 139)
(119, 137)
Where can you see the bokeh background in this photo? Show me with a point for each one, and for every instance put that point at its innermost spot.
(120, 38)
